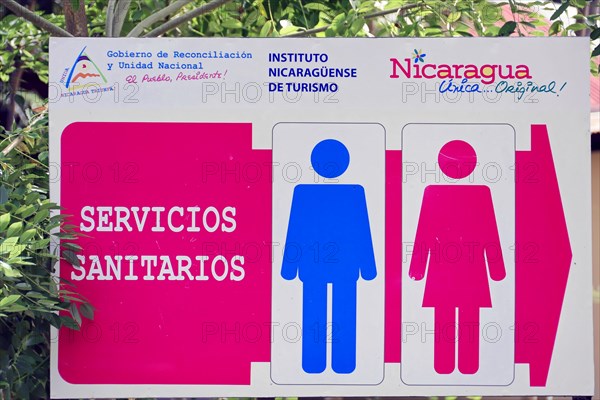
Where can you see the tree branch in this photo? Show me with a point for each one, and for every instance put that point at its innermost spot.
(175, 22)
(110, 13)
(17, 141)
(119, 18)
(392, 11)
(35, 19)
(75, 19)
(309, 32)
(157, 16)
(14, 83)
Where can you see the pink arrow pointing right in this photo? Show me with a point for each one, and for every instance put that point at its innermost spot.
(543, 256)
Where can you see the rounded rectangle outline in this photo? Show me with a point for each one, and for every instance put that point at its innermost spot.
(514, 201)
(384, 227)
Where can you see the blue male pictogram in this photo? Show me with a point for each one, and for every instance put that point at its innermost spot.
(329, 242)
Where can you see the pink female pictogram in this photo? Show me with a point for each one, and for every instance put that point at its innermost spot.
(456, 243)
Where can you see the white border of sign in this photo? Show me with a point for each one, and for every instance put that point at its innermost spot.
(371, 98)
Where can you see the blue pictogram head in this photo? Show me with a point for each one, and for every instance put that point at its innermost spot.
(330, 158)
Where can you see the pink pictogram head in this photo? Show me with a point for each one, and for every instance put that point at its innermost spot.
(457, 159)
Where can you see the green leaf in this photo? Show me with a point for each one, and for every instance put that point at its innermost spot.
(3, 190)
(10, 299)
(593, 67)
(28, 234)
(48, 303)
(266, 29)
(87, 310)
(65, 236)
(231, 23)
(29, 166)
(71, 246)
(5, 266)
(19, 260)
(40, 244)
(32, 197)
(68, 322)
(555, 28)
(23, 286)
(40, 216)
(16, 252)
(289, 30)
(357, 26)
(454, 16)
(4, 221)
(577, 27)
(8, 270)
(47, 204)
(54, 319)
(595, 34)
(14, 229)
(8, 244)
(213, 26)
(596, 51)
(507, 29)
(34, 339)
(316, 6)
(27, 211)
(16, 308)
(71, 257)
(35, 295)
(75, 313)
(337, 24)
(559, 11)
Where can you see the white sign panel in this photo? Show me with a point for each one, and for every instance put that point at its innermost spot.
(345, 217)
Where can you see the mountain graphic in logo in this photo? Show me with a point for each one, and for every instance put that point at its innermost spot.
(84, 71)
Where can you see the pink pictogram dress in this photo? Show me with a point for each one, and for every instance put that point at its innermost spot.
(456, 244)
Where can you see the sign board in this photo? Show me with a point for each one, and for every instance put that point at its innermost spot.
(348, 217)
